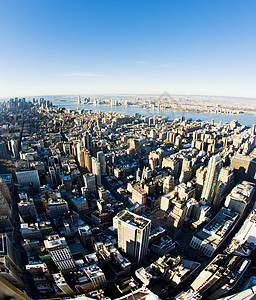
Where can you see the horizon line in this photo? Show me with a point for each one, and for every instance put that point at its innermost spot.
(128, 94)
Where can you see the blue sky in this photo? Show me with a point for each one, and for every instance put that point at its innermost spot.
(114, 46)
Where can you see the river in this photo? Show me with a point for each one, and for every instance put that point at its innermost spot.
(245, 119)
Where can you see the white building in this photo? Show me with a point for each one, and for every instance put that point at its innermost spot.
(208, 239)
(90, 182)
(133, 234)
(244, 242)
(96, 170)
(101, 158)
(240, 197)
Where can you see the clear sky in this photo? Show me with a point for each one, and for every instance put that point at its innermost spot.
(127, 46)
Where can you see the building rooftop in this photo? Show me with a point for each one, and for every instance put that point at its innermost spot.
(7, 178)
(139, 189)
(93, 271)
(58, 201)
(134, 219)
(220, 224)
(242, 191)
(54, 241)
(79, 200)
(227, 269)
(245, 240)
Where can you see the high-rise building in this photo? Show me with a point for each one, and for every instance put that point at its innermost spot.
(133, 234)
(101, 158)
(53, 176)
(87, 141)
(96, 275)
(90, 182)
(211, 180)
(200, 179)
(244, 167)
(3, 150)
(28, 177)
(67, 148)
(208, 239)
(81, 160)
(5, 213)
(87, 161)
(78, 150)
(176, 216)
(225, 183)
(14, 148)
(96, 170)
(139, 195)
(60, 253)
(9, 261)
(240, 196)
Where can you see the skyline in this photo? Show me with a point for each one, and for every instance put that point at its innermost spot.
(107, 47)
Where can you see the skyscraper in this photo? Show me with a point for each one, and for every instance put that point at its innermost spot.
(133, 234)
(96, 170)
(88, 161)
(87, 141)
(211, 180)
(102, 160)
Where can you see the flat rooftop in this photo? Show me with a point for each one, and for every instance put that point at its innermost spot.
(139, 189)
(221, 222)
(219, 227)
(54, 241)
(7, 178)
(134, 219)
(78, 200)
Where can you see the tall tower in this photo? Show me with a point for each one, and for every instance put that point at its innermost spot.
(87, 141)
(133, 234)
(81, 159)
(53, 176)
(96, 170)
(101, 158)
(88, 161)
(211, 180)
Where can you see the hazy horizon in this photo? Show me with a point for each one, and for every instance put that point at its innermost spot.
(126, 95)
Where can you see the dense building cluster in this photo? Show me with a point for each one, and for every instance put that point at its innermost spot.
(109, 206)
